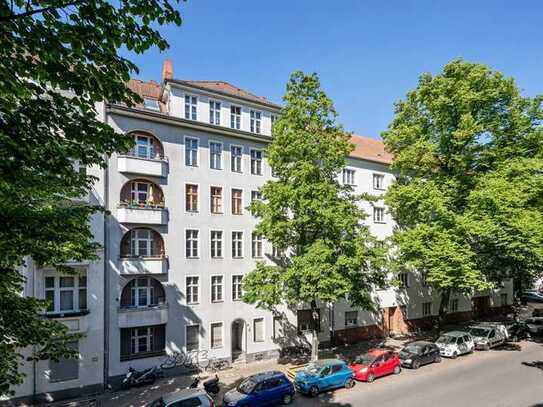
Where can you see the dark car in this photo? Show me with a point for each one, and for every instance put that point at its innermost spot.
(416, 354)
(531, 296)
(262, 389)
(518, 331)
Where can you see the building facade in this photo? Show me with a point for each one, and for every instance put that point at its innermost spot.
(180, 239)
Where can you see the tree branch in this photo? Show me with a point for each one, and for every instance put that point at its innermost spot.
(12, 16)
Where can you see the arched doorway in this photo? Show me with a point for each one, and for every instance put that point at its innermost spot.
(238, 339)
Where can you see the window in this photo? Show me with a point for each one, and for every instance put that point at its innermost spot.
(151, 104)
(256, 162)
(216, 199)
(192, 335)
(378, 181)
(237, 202)
(216, 243)
(348, 176)
(215, 156)
(142, 341)
(192, 289)
(214, 112)
(258, 330)
(216, 289)
(503, 299)
(278, 327)
(191, 107)
(378, 215)
(191, 243)
(216, 335)
(426, 309)
(235, 117)
(140, 192)
(256, 117)
(142, 243)
(404, 280)
(278, 252)
(142, 292)
(424, 278)
(191, 198)
(351, 318)
(273, 119)
(256, 247)
(191, 152)
(305, 320)
(454, 305)
(237, 244)
(144, 147)
(236, 155)
(65, 369)
(237, 288)
(66, 293)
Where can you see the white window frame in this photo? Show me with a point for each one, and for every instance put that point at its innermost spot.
(232, 244)
(211, 155)
(197, 197)
(211, 241)
(235, 297)
(211, 287)
(192, 112)
(350, 325)
(455, 307)
(222, 200)
(135, 295)
(150, 151)
(215, 112)
(236, 117)
(257, 254)
(197, 244)
(136, 239)
(57, 290)
(379, 214)
(242, 208)
(232, 146)
(135, 191)
(186, 337)
(263, 329)
(211, 335)
(402, 283)
(261, 161)
(148, 106)
(255, 121)
(186, 149)
(134, 338)
(376, 176)
(427, 312)
(198, 290)
(349, 176)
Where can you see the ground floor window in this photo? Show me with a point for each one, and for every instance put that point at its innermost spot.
(305, 320)
(454, 305)
(351, 319)
(142, 341)
(503, 299)
(278, 328)
(426, 309)
(258, 330)
(193, 338)
(65, 369)
(216, 335)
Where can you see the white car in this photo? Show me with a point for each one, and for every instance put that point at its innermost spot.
(455, 343)
(487, 336)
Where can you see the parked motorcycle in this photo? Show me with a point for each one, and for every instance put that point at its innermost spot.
(211, 386)
(518, 331)
(135, 378)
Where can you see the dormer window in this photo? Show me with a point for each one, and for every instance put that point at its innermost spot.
(151, 104)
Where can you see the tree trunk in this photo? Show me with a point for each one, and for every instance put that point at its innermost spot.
(314, 330)
(443, 308)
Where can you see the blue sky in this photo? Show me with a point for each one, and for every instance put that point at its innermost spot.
(368, 54)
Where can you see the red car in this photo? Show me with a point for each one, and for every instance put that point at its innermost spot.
(376, 363)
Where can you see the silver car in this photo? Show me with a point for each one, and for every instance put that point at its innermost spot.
(455, 343)
(535, 325)
(486, 337)
(186, 397)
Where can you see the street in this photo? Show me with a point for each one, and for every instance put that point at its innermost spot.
(495, 378)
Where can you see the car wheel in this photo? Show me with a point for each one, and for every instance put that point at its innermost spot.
(397, 370)
(287, 398)
(454, 355)
(349, 384)
(370, 378)
(415, 365)
(437, 359)
(314, 391)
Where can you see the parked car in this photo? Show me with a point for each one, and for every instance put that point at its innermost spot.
(455, 343)
(374, 364)
(322, 375)
(486, 336)
(262, 389)
(535, 325)
(501, 327)
(186, 397)
(416, 354)
(531, 296)
(518, 331)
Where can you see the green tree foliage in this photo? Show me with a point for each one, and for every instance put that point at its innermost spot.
(329, 253)
(57, 60)
(456, 139)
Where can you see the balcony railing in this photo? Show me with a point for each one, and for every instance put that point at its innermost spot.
(144, 265)
(131, 163)
(142, 213)
(132, 317)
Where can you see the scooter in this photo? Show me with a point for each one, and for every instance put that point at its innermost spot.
(136, 378)
(210, 386)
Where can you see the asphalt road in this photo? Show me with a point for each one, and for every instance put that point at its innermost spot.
(495, 378)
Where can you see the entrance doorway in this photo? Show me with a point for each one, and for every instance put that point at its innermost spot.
(238, 339)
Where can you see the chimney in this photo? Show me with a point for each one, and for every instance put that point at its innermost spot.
(167, 70)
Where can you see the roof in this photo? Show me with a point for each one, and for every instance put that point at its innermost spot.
(226, 88)
(367, 148)
(181, 394)
(150, 89)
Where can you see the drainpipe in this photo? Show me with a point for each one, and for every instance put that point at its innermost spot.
(34, 366)
(106, 266)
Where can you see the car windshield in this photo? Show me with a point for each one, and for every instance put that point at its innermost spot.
(246, 386)
(479, 331)
(445, 339)
(416, 349)
(313, 368)
(366, 359)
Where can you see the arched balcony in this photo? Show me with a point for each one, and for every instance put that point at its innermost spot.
(142, 201)
(143, 303)
(146, 157)
(142, 252)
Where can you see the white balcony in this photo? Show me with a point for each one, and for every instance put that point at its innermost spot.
(144, 265)
(144, 166)
(144, 215)
(134, 317)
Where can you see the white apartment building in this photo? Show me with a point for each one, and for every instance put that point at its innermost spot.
(180, 239)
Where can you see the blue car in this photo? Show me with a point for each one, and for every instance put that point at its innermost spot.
(322, 375)
(262, 389)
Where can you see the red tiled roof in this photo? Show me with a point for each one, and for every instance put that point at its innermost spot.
(370, 149)
(144, 89)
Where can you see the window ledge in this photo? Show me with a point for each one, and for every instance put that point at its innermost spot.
(68, 314)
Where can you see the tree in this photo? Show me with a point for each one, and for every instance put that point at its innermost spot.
(57, 60)
(305, 211)
(449, 138)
